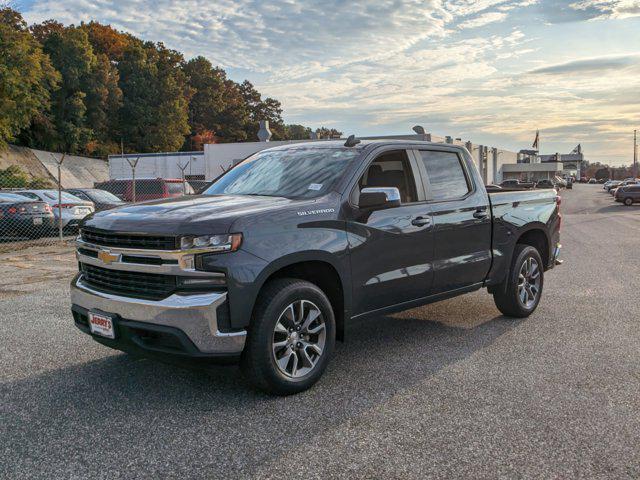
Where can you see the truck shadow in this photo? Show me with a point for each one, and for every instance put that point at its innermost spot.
(124, 400)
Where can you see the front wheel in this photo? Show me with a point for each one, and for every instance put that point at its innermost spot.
(628, 202)
(291, 337)
(520, 294)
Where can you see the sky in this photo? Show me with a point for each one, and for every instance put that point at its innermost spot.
(489, 71)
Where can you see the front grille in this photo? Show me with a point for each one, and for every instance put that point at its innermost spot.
(130, 284)
(110, 239)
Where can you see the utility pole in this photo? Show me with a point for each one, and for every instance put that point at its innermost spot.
(182, 169)
(635, 154)
(59, 164)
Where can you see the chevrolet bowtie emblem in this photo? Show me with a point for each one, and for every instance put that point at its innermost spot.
(107, 257)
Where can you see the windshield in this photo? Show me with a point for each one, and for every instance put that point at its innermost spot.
(290, 173)
(66, 197)
(103, 196)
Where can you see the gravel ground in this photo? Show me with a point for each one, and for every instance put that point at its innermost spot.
(449, 390)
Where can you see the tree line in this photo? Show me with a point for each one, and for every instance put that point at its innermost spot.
(91, 89)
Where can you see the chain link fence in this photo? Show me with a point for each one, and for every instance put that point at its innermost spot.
(37, 211)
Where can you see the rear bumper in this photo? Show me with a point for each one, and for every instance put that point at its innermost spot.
(182, 325)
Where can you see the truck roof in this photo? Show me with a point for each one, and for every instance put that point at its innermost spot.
(364, 143)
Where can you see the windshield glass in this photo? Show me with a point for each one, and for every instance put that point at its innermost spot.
(290, 173)
(66, 197)
(103, 196)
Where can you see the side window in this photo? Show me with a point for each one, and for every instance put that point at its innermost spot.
(80, 195)
(446, 175)
(391, 169)
(149, 187)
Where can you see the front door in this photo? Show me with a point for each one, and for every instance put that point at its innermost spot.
(391, 249)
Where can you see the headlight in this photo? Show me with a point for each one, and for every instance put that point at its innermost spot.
(213, 243)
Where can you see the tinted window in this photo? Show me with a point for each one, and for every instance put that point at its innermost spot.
(10, 197)
(65, 196)
(391, 169)
(103, 196)
(446, 175)
(149, 187)
(117, 188)
(29, 195)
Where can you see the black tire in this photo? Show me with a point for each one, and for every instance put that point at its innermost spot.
(507, 297)
(258, 358)
(628, 201)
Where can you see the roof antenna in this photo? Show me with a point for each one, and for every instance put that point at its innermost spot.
(352, 141)
(419, 129)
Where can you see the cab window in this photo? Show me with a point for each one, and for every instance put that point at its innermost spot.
(391, 169)
(447, 179)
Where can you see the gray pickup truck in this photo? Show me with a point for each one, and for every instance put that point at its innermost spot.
(267, 266)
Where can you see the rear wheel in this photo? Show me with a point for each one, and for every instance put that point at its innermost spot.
(520, 294)
(628, 201)
(291, 337)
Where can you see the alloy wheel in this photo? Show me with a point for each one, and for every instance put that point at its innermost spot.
(529, 282)
(299, 338)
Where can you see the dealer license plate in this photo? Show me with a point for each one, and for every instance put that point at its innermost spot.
(101, 324)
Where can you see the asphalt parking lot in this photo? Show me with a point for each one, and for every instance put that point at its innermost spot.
(450, 390)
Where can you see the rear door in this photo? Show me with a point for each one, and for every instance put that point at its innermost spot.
(391, 250)
(459, 208)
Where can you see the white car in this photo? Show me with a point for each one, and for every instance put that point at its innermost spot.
(73, 208)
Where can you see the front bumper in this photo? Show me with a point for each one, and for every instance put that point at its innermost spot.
(191, 321)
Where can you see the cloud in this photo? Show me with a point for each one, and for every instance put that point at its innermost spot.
(382, 66)
(589, 65)
(609, 8)
(482, 20)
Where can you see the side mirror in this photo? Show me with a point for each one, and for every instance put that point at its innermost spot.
(379, 197)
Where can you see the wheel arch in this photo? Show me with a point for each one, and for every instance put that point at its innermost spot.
(536, 236)
(321, 269)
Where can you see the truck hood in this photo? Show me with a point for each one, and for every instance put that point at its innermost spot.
(193, 215)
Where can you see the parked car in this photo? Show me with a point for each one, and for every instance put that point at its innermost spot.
(625, 183)
(517, 184)
(592, 180)
(559, 182)
(545, 183)
(102, 200)
(73, 208)
(611, 184)
(628, 194)
(583, 180)
(22, 217)
(146, 188)
(569, 184)
(268, 265)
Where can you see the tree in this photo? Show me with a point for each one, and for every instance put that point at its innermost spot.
(297, 132)
(207, 102)
(14, 177)
(72, 55)
(325, 133)
(154, 113)
(26, 77)
(267, 109)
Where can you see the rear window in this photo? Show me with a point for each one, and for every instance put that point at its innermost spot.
(177, 188)
(149, 187)
(446, 175)
(117, 188)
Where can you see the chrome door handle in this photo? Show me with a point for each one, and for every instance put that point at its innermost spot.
(421, 221)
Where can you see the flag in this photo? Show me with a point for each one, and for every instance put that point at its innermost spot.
(536, 142)
(578, 149)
